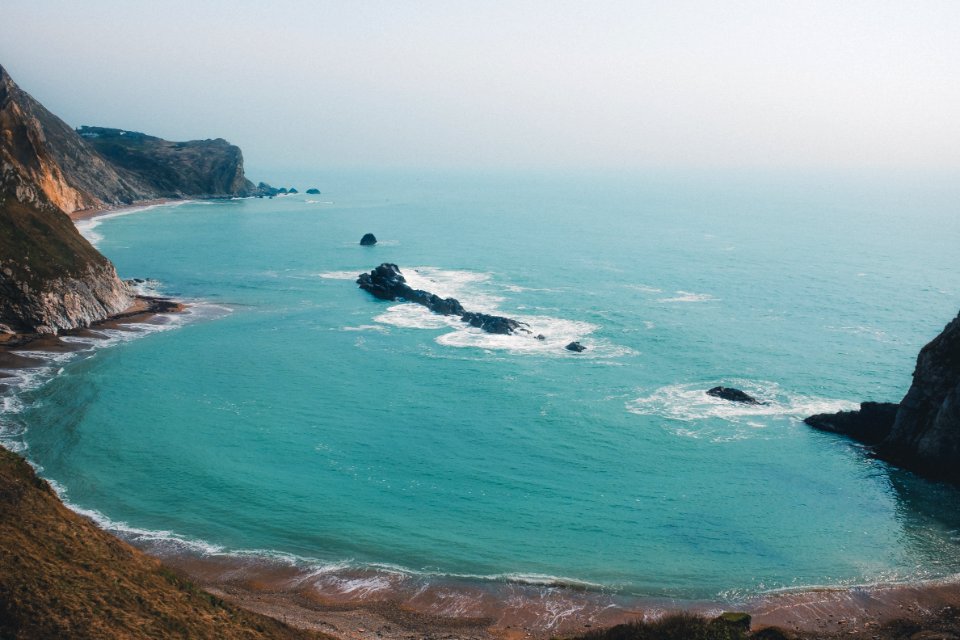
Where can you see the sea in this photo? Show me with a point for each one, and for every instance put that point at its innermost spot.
(290, 417)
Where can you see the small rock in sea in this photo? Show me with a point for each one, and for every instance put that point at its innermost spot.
(575, 346)
(540, 336)
(313, 191)
(292, 190)
(368, 240)
(733, 395)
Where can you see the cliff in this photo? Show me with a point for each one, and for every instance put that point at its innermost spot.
(48, 153)
(51, 278)
(199, 168)
(926, 432)
(922, 433)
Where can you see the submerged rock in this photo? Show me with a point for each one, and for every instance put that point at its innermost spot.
(368, 240)
(733, 395)
(387, 283)
(869, 425)
(575, 346)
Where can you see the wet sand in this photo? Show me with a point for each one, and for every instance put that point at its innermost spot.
(357, 603)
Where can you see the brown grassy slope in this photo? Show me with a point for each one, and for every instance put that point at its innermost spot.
(62, 577)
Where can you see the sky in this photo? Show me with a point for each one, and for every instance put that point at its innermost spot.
(678, 84)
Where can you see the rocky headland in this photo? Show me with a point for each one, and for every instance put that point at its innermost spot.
(51, 278)
(922, 432)
(387, 283)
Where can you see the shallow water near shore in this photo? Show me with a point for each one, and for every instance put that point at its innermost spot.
(374, 444)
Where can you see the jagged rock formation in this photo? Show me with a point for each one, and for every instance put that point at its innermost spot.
(387, 283)
(924, 434)
(733, 395)
(368, 240)
(576, 347)
(870, 424)
(164, 169)
(62, 577)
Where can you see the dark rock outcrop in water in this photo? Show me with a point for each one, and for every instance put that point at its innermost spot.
(387, 283)
(924, 434)
(368, 240)
(575, 347)
(870, 424)
(313, 191)
(733, 395)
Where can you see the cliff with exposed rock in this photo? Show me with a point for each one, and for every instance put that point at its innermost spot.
(51, 278)
(922, 433)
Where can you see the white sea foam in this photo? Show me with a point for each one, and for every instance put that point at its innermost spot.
(644, 288)
(469, 287)
(340, 275)
(690, 405)
(687, 296)
(414, 316)
(475, 291)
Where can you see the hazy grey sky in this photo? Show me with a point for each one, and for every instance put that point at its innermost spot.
(840, 83)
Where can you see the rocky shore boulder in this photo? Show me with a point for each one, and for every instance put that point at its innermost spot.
(576, 347)
(368, 240)
(869, 425)
(387, 283)
(733, 395)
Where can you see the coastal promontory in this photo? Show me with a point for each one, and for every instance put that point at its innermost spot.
(922, 432)
(51, 278)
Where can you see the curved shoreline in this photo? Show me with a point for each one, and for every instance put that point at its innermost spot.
(505, 608)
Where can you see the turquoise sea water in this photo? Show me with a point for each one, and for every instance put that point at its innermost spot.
(290, 413)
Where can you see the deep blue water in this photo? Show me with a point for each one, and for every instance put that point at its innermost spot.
(292, 413)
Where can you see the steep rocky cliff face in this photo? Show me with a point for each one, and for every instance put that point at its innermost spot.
(48, 153)
(51, 278)
(104, 167)
(204, 168)
(922, 433)
(926, 433)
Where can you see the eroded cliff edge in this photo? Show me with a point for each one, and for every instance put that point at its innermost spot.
(922, 433)
(51, 278)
